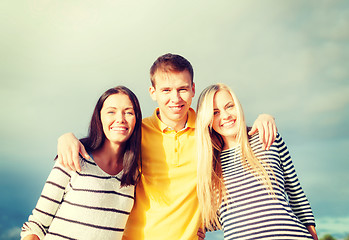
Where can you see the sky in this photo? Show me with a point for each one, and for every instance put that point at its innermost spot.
(286, 58)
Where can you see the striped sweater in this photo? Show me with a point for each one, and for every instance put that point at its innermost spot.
(81, 205)
(250, 212)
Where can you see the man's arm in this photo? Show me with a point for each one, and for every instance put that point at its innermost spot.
(265, 125)
(68, 149)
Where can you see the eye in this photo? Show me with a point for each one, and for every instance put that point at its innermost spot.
(230, 106)
(183, 90)
(130, 113)
(215, 113)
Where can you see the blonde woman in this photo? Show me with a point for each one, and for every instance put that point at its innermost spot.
(255, 192)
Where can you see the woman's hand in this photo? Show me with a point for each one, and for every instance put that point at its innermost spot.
(31, 237)
(312, 231)
(201, 234)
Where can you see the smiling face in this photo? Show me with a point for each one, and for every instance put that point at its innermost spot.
(118, 118)
(225, 119)
(173, 92)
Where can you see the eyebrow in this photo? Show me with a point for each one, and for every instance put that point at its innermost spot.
(230, 102)
(187, 86)
(127, 108)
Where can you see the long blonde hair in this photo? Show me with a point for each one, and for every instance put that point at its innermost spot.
(211, 189)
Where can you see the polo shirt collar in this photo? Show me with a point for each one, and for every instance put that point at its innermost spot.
(189, 124)
(191, 118)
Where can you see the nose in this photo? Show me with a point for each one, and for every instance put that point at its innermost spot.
(175, 96)
(120, 117)
(225, 114)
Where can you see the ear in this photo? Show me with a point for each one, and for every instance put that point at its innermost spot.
(193, 89)
(152, 93)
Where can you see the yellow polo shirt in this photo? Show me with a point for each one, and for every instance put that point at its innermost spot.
(166, 205)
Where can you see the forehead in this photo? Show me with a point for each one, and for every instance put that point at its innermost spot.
(221, 98)
(170, 79)
(117, 100)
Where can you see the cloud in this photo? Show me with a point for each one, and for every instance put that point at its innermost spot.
(11, 234)
(335, 226)
(286, 58)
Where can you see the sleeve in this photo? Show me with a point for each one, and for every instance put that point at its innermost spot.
(296, 196)
(48, 203)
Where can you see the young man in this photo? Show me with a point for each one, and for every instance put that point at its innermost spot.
(166, 205)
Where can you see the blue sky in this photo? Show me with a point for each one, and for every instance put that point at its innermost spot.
(287, 58)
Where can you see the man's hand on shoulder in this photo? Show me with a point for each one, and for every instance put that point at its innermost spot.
(265, 125)
(68, 149)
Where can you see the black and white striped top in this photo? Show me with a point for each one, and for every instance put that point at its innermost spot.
(250, 212)
(85, 205)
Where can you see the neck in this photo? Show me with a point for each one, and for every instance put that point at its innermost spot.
(175, 125)
(230, 142)
(109, 157)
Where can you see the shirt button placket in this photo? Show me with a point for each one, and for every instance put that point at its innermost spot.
(176, 149)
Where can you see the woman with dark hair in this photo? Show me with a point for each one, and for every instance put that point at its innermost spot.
(95, 202)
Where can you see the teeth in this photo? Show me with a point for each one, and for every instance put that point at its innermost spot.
(118, 128)
(228, 124)
(176, 108)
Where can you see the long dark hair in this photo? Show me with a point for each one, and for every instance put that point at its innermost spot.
(132, 150)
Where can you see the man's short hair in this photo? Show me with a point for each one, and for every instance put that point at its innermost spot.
(170, 63)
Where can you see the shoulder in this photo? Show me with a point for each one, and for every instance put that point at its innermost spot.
(278, 140)
(254, 139)
(147, 120)
(59, 167)
(60, 173)
(149, 125)
(150, 121)
(88, 165)
(89, 162)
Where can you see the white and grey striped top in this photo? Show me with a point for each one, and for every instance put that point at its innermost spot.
(250, 212)
(85, 205)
